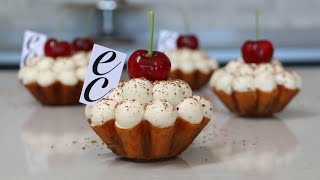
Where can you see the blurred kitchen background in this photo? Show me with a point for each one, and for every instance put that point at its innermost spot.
(222, 26)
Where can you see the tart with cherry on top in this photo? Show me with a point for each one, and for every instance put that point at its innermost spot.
(190, 63)
(149, 117)
(256, 84)
(57, 78)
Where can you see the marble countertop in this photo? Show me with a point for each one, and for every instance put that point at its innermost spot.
(39, 142)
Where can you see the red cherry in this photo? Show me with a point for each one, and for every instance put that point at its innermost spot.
(156, 67)
(260, 51)
(82, 44)
(188, 41)
(54, 48)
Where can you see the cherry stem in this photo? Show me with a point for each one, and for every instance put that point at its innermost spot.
(151, 14)
(60, 31)
(185, 20)
(88, 23)
(257, 22)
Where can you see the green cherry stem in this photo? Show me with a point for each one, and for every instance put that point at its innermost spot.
(151, 14)
(257, 14)
(88, 23)
(185, 20)
(60, 31)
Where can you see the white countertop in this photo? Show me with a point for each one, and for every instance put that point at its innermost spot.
(40, 142)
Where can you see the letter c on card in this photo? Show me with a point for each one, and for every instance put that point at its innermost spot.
(90, 85)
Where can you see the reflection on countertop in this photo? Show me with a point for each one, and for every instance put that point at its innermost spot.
(59, 135)
(248, 144)
(55, 135)
(40, 141)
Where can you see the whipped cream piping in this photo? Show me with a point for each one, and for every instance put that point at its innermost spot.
(265, 81)
(207, 108)
(28, 75)
(102, 111)
(225, 83)
(243, 83)
(46, 78)
(240, 76)
(46, 70)
(186, 89)
(291, 80)
(81, 73)
(169, 91)
(129, 113)
(116, 94)
(191, 110)
(188, 60)
(68, 78)
(160, 112)
(138, 89)
(45, 64)
(88, 111)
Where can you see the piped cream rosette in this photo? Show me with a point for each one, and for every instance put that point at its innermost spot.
(55, 81)
(255, 89)
(193, 66)
(142, 120)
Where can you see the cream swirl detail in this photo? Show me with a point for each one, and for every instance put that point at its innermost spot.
(241, 77)
(46, 70)
(190, 109)
(186, 90)
(169, 91)
(207, 108)
(129, 113)
(138, 89)
(103, 111)
(46, 78)
(188, 60)
(160, 103)
(160, 113)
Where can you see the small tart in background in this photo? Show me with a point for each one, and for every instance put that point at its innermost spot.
(158, 120)
(55, 81)
(193, 66)
(255, 89)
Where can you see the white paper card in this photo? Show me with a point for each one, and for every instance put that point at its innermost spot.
(167, 40)
(103, 74)
(33, 45)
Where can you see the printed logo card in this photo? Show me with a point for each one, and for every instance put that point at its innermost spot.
(33, 45)
(103, 74)
(167, 40)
